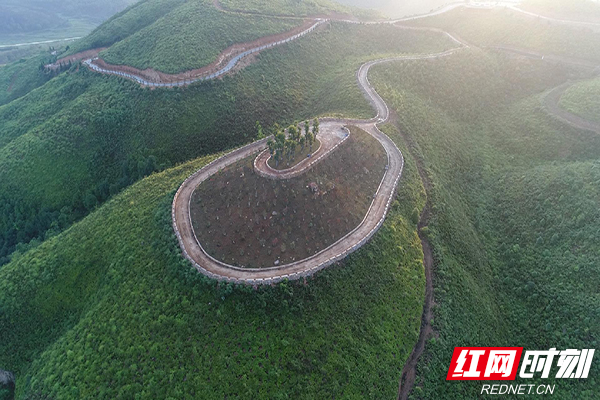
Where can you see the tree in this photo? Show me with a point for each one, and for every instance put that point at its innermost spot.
(306, 128)
(259, 131)
(290, 149)
(272, 147)
(310, 138)
(279, 147)
(294, 134)
(315, 127)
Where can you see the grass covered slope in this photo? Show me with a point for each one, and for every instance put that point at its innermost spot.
(243, 219)
(19, 78)
(58, 165)
(191, 36)
(515, 220)
(110, 309)
(583, 99)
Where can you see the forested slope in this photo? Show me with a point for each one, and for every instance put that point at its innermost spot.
(515, 199)
(110, 309)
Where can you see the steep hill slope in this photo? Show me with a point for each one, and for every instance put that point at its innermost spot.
(191, 36)
(288, 7)
(19, 78)
(110, 309)
(126, 23)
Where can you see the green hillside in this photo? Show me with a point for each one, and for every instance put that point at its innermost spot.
(583, 99)
(191, 36)
(515, 218)
(109, 309)
(21, 77)
(97, 302)
(98, 134)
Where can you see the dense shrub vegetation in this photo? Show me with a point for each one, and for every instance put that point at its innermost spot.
(64, 144)
(19, 78)
(96, 300)
(110, 309)
(515, 210)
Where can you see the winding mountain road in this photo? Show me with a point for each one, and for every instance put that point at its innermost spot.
(193, 250)
(230, 58)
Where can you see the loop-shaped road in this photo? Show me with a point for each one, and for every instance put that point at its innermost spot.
(374, 218)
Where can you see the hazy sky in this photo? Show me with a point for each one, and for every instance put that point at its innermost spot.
(398, 8)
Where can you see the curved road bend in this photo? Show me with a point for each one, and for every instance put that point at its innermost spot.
(331, 136)
(551, 104)
(551, 100)
(235, 60)
(183, 82)
(318, 21)
(373, 220)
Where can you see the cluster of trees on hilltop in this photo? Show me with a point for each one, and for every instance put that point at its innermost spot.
(283, 147)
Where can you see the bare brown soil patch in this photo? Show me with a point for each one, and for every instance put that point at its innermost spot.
(243, 219)
(73, 58)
